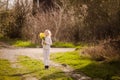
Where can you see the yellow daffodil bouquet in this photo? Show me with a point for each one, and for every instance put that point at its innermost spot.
(42, 36)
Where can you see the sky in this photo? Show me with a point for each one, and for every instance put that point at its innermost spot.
(11, 3)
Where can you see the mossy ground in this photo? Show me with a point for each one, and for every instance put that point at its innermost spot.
(32, 67)
(94, 69)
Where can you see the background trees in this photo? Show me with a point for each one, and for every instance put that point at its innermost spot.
(78, 20)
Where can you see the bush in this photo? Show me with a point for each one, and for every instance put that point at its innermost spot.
(108, 51)
(6, 22)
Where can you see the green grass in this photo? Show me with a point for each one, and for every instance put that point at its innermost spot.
(30, 67)
(63, 45)
(94, 69)
(18, 43)
(36, 68)
(23, 43)
(71, 58)
(69, 45)
(1, 36)
(6, 71)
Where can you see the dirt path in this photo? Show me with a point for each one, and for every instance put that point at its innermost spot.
(11, 54)
(36, 53)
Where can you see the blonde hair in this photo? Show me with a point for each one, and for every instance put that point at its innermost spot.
(49, 32)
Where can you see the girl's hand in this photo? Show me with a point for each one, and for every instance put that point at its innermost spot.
(44, 42)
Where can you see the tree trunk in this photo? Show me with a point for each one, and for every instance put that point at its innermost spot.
(34, 7)
(7, 3)
(44, 5)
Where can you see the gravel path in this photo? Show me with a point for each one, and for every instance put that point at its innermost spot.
(11, 54)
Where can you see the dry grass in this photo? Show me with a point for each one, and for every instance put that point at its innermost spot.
(108, 51)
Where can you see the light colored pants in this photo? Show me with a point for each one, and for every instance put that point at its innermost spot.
(46, 53)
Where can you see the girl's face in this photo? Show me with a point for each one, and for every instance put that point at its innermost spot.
(46, 33)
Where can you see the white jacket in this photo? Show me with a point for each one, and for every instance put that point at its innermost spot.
(48, 42)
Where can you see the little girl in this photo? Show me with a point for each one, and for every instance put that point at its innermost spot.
(46, 47)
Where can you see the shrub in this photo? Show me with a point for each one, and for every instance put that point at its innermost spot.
(108, 51)
(6, 23)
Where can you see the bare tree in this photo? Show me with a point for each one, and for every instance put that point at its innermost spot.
(3, 3)
(42, 5)
(7, 4)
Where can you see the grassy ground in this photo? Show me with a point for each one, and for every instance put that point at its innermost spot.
(94, 69)
(31, 67)
(38, 70)
(63, 45)
(6, 71)
(19, 43)
(23, 43)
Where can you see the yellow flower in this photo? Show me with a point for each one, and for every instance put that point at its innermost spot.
(42, 36)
